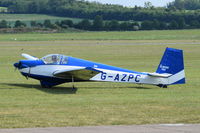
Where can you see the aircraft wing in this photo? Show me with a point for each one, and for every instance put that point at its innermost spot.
(84, 73)
(159, 75)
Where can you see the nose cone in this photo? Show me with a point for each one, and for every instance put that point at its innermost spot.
(28, 63)
(16, 65)
(20, 65)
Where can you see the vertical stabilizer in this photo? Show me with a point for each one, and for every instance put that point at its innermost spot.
(172, 63)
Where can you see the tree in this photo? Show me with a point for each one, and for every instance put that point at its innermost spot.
(3, 24)
(194, 24)
(40, 25)
(163, 26)
(98, 23)
(33, 7)
(147, 25)
(124, 26)
(19, 24)
(178, 4)
(148, 5)
(66, 23)
(114, 25)
(33, 24)
(156, 24)
(84, 24)
(18, 7)
(192, 4)
(54, 5)
(47, 23)
(181, 23)
(55, 26)
(173, 25)
(58, 23)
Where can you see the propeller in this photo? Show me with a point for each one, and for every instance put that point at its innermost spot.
(17, 65)
(23, 64)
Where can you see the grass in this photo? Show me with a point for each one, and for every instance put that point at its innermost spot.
(132, 35)
(23, 103)
(27, 18)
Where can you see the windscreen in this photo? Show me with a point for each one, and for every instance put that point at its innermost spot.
(55, 59)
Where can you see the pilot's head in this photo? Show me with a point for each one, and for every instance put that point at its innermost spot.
(54, 58)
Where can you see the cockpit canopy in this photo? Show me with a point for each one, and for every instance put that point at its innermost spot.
(55, 59)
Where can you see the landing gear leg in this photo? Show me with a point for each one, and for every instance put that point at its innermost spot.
(73, 87)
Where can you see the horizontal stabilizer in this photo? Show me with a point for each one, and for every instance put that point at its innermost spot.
(159, 75)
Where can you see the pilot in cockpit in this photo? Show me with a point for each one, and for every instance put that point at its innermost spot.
(54, 59)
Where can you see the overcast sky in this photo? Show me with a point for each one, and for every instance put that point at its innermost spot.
(132, 3)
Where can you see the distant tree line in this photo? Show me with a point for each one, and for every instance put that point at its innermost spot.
(180, 14)
(88, 10)
(98, 24)
(184, 5)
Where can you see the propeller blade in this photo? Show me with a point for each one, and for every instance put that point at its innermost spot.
(29, 57)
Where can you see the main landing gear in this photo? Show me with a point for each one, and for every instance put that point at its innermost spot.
(73, 87)
(162, 86)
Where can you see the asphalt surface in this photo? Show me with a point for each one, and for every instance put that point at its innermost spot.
(162, 128)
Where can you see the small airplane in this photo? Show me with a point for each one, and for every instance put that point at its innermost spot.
(55, 69)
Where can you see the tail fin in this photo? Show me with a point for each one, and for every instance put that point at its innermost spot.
(172, 63)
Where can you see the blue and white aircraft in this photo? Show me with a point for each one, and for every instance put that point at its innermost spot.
(55, 69)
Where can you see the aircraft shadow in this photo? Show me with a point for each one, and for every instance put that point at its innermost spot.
(62, 90)
(54, 90)
(141, 87)
(110, 87)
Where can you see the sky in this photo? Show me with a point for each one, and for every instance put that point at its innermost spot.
(132, 3)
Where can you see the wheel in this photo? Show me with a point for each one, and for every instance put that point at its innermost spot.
(164, 86)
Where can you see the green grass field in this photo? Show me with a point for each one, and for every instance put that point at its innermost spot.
(131, 35)
(23, 103)
(27, 18)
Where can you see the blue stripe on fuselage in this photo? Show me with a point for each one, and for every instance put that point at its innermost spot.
(80, 62)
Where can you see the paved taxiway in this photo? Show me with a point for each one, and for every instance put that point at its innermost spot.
(162, 128)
